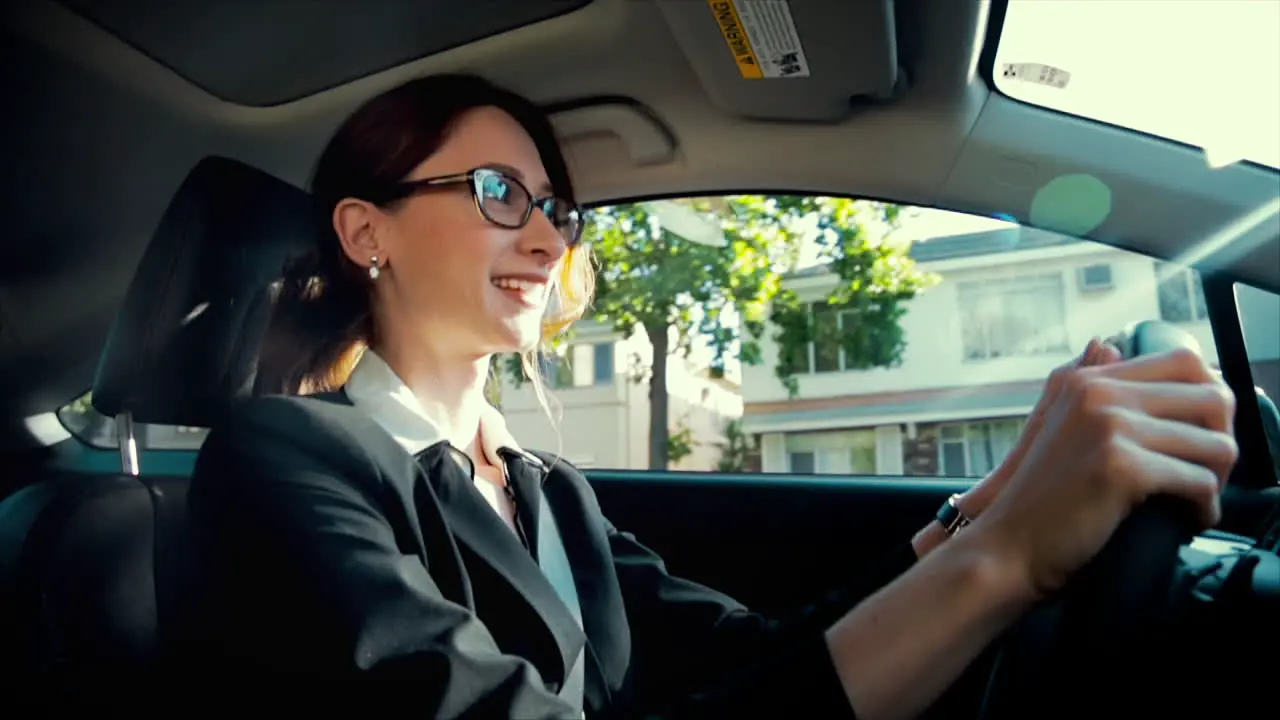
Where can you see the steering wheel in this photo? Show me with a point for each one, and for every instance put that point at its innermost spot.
(1101, 646)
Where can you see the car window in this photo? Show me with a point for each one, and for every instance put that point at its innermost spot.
(1260, 323)
(815, 336)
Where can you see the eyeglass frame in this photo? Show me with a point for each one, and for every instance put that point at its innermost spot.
(408, 188)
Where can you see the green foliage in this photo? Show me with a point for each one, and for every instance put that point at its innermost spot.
(493, 383)
(725, 297)
(654, 279)
(680, 442)
(875, 278)
(735, 449)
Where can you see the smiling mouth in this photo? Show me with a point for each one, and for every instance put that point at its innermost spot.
(528, 293)
(524, 286)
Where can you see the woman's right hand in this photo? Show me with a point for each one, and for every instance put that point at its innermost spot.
(1115, 435)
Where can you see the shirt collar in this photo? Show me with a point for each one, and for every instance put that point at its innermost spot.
(375, 388)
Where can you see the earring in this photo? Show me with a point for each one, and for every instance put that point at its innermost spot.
(373, 268)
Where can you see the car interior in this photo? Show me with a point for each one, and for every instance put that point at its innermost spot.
(157, 157)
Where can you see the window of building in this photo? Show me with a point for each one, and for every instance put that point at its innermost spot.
(1181, 293)
(974, 449)
(557, 370)
(580, 365)
(603, 363)
(826, 353)
(802, 463)
(845, 452)
(1013, 317)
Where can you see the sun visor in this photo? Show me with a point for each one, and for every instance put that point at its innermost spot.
(801, 60)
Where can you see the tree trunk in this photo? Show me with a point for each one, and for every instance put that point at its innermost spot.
(658, 399)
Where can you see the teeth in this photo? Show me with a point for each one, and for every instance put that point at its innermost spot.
(514, 284)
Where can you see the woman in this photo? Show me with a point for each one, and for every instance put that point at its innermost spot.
(390, 527)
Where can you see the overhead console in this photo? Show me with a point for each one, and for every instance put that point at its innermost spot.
(798, 60)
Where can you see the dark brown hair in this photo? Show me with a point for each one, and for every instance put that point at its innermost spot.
(322, 319)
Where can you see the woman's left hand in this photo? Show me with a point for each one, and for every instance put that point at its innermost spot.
(978, 498)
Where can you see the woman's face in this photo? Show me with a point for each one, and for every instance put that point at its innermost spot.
(449, 277)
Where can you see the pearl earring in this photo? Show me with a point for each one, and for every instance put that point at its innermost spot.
(373, 268)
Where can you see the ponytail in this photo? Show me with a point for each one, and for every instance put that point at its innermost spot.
(320, 326)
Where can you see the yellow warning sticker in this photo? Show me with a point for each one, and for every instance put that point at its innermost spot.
(739, 44)
(762, 36)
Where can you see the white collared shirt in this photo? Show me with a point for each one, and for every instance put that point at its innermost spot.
(375, 388)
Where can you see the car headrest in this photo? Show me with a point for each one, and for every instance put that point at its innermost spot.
(185, 343)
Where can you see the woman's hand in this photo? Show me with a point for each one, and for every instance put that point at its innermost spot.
(978, 498)
(1114, 435)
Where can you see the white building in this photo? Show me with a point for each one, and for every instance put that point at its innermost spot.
(1012, 305)
(603, 414)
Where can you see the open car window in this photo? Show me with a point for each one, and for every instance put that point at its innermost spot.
(818, 336)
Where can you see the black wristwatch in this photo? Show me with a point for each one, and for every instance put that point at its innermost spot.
(949, 515)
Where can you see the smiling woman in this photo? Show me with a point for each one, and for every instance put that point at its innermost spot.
(395, 263)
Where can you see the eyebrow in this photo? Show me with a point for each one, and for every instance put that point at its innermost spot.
(515, 173)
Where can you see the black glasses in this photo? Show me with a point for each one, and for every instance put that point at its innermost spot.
(500, 199)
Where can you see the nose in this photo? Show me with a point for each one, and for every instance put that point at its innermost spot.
(542, 240)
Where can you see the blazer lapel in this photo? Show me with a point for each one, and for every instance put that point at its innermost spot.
(477, 526)
(603, 615)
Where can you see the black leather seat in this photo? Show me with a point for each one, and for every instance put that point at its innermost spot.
(95, 573)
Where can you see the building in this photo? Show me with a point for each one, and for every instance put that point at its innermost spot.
(1012, 305)
(602, 412)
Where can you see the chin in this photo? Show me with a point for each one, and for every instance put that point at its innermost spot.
(518, 336)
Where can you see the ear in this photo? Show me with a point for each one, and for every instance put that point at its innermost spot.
(356, 222)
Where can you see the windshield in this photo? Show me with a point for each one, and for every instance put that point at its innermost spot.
(1202, 73)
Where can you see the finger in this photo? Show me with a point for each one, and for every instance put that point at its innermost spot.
(1106, 354)
(1210, 405)
(1216, 452)
(1178, 365)
(1054, 382)
(1090, 351)
(1161, 474)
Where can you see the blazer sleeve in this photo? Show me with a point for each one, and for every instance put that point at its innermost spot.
(310, 578)
(699, 653)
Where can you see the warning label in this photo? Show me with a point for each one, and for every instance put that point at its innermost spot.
(762, 37)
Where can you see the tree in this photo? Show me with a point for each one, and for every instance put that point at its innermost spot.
(679, 292)
(682, 293)
(681, 444)
(875, 278)
(736, 448)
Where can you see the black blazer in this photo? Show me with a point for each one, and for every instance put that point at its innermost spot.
(329, 549)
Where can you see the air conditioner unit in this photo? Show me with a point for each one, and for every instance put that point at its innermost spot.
(1093, 278)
